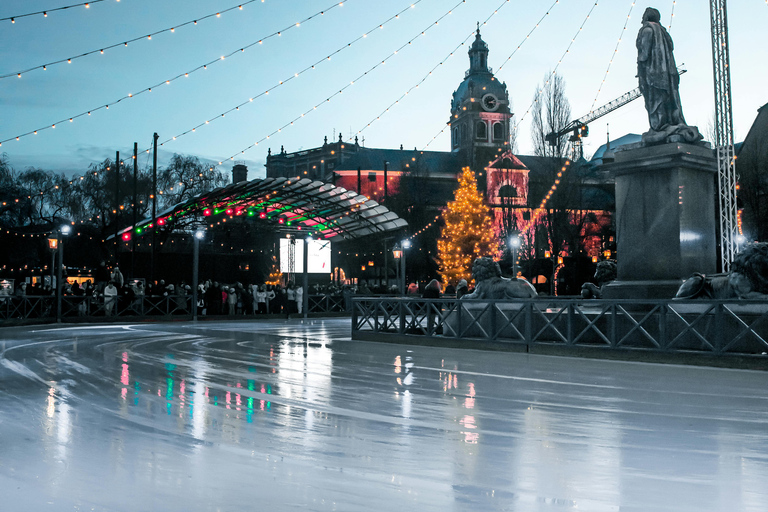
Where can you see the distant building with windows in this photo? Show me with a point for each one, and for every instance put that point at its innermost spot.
(480, 124)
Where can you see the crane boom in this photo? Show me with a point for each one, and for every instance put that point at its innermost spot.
(579, 126)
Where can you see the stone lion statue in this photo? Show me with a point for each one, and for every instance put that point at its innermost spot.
(748, 278)
(490, 284)
(605, 273)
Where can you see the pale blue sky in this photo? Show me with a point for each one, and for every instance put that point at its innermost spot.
(39, 98)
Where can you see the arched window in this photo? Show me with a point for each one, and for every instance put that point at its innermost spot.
(498, 131)
(463, 131)
(482, 130)
(455, 136)
(507, 192)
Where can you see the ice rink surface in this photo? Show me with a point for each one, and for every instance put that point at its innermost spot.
(285, 415)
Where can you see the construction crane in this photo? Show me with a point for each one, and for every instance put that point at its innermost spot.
(579, 128)
(726, 158)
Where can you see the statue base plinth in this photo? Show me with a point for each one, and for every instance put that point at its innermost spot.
(665, 218)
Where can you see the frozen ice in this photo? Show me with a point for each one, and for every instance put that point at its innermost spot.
(294, 415)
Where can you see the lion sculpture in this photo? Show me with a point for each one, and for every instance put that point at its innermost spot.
(605, 273)
(748, 278)
(490, 284)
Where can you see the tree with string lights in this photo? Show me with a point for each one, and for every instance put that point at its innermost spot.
(468, 231)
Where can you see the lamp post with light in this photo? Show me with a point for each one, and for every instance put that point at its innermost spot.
(63, 231)
(53, 245)
(514, 245)
(405, 244)
(199, 235)
(397, 253)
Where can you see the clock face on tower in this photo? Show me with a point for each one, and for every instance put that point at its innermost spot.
(490, 103)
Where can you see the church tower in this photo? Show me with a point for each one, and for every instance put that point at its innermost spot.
(480, 114)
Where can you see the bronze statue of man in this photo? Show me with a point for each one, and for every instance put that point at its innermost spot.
(659, 80)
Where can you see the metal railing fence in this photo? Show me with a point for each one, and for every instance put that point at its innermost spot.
(701, 326)
(36, 308)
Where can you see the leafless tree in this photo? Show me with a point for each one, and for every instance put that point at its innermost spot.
(551, 113)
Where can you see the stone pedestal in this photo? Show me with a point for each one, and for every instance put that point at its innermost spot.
(665, 219)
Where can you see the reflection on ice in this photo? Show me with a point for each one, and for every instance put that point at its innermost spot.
(191, 416)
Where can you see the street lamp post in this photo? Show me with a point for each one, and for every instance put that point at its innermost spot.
(405, 244)
(53, 245)
(514, 244)
(397, 253)
(199, 235)
(63, 231)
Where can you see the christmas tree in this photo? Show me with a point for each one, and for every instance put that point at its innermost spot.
(275, 276)
(468, 232)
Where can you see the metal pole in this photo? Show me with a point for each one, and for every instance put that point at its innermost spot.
(154, 210)
(305, 285)
(514, 261)
(402, 263)
(359, 171)
(59, 289)
(117, 205)
(195, 265)
(385, 180)
(135, 204)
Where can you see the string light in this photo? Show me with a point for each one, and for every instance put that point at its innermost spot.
(527, 37)
(340, 91)
(168, 81)
(281, 82)
(124, 43)
(610, 62)
(503, 63)
(537, 96)
(406, 93)
(672, 15)
(12, 19)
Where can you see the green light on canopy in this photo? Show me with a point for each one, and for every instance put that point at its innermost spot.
(138, 231)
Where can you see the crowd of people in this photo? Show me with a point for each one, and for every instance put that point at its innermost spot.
(109, 288)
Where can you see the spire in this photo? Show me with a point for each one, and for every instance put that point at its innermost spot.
(478, 54)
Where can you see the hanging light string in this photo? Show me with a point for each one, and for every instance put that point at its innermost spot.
(123, 44)
(12, 19)
(537, 96)
(422, 230)
(340, 91)
(613, 56)
(503, 63)
(298, 73)
(537, 213)
(397, 101)
(498, 70)
(177, 77)
(672, 15)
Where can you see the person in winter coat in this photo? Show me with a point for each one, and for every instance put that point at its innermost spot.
(462, 288)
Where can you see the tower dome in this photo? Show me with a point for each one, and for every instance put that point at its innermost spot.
(480, 113)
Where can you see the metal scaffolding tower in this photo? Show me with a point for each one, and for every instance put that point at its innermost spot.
(726, 158)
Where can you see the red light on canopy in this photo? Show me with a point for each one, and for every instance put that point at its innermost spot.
(263, 215)
(207, 212)
(126, 236)
(229, 211)
(160, 222)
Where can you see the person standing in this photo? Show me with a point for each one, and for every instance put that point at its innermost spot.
(101, 276)
(462, 288)
(299, 295)
(110, 298)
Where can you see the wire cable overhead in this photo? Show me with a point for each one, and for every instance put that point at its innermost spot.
(123, 44)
